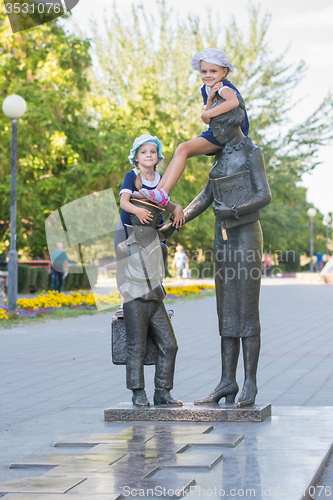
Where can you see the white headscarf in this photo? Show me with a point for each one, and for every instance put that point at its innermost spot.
(213, 56)
(144, 139)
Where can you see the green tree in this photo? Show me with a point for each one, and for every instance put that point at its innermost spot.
(145, 72)
(48, 67)
(82, 120)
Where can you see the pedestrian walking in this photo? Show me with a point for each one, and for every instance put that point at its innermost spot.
(181, 262)
(59, 261)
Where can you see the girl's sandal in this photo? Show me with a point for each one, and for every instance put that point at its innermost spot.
(165, 200)
(146, 201)
(153, 198)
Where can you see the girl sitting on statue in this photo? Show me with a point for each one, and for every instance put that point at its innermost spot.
(214, 68)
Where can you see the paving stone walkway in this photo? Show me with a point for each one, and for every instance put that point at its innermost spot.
(57, 379)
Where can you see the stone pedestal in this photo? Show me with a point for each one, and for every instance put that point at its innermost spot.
(187, 413)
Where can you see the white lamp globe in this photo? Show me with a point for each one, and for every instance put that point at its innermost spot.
(14, 106)
(312, 212)
(327, 219)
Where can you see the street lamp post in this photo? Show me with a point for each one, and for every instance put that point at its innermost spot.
(14, 107)
(327, 221)
(311, 213)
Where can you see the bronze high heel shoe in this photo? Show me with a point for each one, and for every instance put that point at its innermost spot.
(228, 392)
(248, 395)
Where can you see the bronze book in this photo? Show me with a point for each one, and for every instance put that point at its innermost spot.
(233, 189)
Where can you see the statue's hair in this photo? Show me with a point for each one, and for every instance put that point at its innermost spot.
(232, 118)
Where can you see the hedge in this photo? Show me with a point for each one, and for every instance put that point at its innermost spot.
(80, 281)
(40, 278)
(202, 270)
(23, 278)
(290, 263)
(28, 276)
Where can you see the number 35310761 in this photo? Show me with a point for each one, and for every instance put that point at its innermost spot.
(32, 8)
(318, 491)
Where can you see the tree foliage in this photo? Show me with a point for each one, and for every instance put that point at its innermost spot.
(48, 68)
(82, 119)
(145, 69)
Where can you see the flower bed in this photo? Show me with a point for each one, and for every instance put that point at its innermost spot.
(181, 291)
(48, 302)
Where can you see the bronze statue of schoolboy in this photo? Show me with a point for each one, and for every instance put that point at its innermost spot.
(141, 262)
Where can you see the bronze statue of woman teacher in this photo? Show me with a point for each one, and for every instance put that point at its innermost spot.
(238, 188)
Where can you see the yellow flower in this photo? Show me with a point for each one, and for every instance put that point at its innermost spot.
(186, 290)
(86, 298)
(3, 314)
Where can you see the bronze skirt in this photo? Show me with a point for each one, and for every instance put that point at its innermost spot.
(238, 262)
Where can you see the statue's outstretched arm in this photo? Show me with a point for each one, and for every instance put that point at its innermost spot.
(200, 203)
(195, 208)
(262, 196)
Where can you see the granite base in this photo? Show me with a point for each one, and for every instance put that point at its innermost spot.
(187, 413)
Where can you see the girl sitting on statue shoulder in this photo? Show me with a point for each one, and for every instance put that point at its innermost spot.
(214, 67)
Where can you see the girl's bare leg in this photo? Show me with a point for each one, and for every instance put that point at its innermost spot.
(196, 147)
